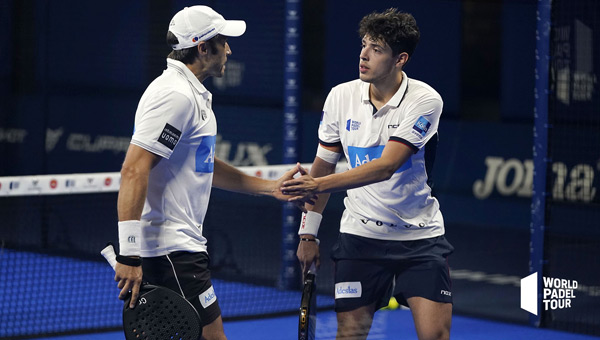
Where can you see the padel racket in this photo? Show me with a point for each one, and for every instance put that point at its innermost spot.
(308, 306)
(159, 313)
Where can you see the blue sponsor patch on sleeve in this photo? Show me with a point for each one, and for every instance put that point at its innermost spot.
(205, 155)
(421, 126)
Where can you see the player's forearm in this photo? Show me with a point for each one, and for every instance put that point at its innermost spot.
(229, 178)
(373, 172)
(320, 168)
(132, 193)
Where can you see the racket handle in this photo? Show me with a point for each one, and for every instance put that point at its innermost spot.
(109, 254)
(313, 268)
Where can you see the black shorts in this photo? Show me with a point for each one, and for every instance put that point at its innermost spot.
(372, 271)
(187, 274)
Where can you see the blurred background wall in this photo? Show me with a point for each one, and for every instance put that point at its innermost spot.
(72, 72)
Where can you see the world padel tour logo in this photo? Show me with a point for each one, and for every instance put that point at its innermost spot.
(557, 293)
(352, 125)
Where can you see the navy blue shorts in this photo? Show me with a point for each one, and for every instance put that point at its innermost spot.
(188, 275)
(371, 271)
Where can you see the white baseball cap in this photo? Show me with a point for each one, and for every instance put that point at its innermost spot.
(194, 24)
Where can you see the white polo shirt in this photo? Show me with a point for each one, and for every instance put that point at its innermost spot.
(402, 207)
(174, 120)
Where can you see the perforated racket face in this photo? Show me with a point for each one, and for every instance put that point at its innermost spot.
(161, 314)
(308, 309)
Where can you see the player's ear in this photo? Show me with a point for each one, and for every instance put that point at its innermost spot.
(402, 59)
(202, 47)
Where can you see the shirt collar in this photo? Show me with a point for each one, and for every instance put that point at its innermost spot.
(180, 68)
(394, 101)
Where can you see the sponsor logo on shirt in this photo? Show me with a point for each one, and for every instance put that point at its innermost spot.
(205, 154)
(421, 126)
(208, 297)
(345, 290)
(360, 156)
(352, 125)
(391, 225)
(169, 136)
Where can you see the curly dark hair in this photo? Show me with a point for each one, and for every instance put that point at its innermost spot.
(397, 29)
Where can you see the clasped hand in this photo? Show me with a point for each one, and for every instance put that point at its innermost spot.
(299, 190)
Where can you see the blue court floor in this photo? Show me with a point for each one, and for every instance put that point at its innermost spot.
(389, 324)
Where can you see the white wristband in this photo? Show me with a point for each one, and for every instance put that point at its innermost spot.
(310, 223)
(130, 238)
(327, 155)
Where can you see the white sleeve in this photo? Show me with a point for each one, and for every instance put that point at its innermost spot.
(161, 120)
(329, 133)
(420, 122)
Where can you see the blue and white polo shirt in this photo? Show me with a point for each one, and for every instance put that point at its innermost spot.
(402, 207)
(174, 120)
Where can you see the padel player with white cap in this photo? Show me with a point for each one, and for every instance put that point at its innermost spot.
(170, 167)
(391, 240)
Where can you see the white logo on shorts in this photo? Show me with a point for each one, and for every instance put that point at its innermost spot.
(208, 297)
(344, 290)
